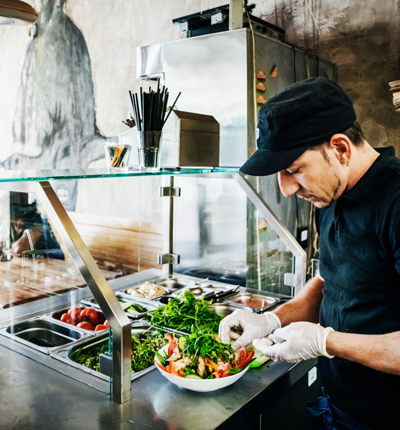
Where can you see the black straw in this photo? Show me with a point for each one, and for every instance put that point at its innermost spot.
(150, 109)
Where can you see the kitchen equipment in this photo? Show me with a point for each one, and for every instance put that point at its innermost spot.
(45, 336)
(257, 302)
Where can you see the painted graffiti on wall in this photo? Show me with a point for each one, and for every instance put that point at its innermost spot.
(55, 116)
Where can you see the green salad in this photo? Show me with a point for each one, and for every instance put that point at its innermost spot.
(186, 313)
(143, 346)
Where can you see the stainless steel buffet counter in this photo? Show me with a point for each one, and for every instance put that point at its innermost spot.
(41, 392)
(37, 397)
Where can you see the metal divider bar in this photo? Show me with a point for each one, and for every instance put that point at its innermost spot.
(283, 233)
(121, 327)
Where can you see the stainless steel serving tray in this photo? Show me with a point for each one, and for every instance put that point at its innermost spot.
(124, 293)
(126, 301)
(65, 354)
(44, 335)
(55, 316)
(257, 302)
(225, 309)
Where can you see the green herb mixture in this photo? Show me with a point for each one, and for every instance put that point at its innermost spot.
(186, 313)
(143, 347)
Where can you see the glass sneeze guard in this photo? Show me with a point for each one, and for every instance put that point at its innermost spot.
(43, 184)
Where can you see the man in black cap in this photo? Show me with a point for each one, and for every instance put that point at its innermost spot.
(348, 315)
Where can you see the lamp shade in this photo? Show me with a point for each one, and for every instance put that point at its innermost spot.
(16, 12)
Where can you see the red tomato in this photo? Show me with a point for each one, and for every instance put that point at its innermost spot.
(107, 324)
(90, 315)
(248, 358)
(75, 318)
(100, 327)
(224, 368)
(85, 325)
(66, 318)
(241, 356)
(174, 368)
(168, 336)
(171, 347)
(160, 366)
(74, 311)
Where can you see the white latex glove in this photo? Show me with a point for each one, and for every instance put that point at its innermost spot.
(253, 325)
(295, 342)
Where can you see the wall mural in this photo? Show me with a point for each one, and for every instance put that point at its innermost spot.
(55, 109)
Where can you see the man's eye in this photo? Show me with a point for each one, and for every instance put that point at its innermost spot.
(292, 172)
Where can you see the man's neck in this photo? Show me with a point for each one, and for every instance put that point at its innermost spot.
(362, 159)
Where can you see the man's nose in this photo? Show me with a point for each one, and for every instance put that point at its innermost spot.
(287, 183)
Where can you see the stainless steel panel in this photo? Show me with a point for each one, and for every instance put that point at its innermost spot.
(211, 73)
(149, 60)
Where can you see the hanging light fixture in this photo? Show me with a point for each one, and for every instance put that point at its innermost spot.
(16, 12)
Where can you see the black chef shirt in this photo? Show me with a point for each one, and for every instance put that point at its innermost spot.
(360, 264)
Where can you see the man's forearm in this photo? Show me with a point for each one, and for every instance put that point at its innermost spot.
(380, 352)
(305, 306)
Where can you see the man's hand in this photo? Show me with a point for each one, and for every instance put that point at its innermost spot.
(253, 325)
(295, 342)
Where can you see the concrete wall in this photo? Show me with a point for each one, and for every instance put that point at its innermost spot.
(362, 38)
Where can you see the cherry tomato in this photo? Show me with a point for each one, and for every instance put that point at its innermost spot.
(75, 315)
(100, 327)
(66, 318)
(241, 356)
(90, 315)
(107, 324)
(248, 358)
(85, 325)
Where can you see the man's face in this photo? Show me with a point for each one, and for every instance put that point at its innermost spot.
(315, 176)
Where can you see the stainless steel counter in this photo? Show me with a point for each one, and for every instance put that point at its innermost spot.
(37, 397)
(39, 392)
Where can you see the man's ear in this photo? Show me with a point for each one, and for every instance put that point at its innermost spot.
(341, 146)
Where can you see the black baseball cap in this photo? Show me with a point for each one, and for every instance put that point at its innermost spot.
(304, 114)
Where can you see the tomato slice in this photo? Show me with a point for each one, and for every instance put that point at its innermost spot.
(224, 369)
(241, 356)
(174, 368)
(168, 336)
(160, 366)
(248, 358)
(171, 347)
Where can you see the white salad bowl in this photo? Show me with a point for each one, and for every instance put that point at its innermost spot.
(202, 385)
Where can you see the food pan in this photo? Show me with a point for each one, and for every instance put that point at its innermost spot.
(125, 293)
(67, 354)
(126, 303)
(225, 309)
(257, 302)
(43, 335)
(55, 316)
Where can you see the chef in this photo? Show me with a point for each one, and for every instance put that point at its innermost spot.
(349, 314)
